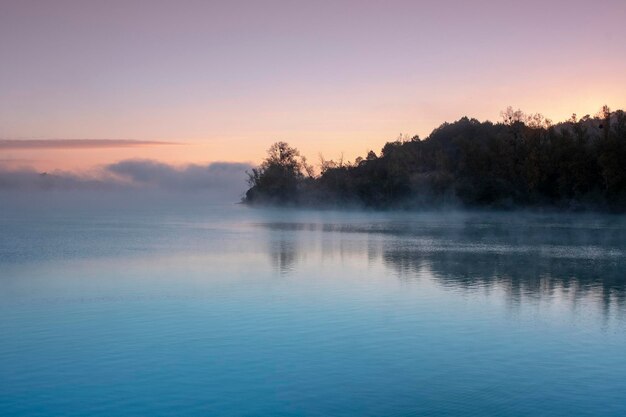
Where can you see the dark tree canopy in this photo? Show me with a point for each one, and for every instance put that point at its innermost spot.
(523, 161)
(279, 177)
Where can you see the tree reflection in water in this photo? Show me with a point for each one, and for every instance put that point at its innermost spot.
(526, 257)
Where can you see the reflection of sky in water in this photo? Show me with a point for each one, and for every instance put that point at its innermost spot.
(230, 311)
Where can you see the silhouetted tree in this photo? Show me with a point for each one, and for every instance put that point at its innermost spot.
(277, 179)
(523, 161)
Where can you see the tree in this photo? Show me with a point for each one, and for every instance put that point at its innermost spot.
(524, 161)
(278, 177)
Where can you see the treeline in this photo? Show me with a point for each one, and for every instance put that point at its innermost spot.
(524, 160)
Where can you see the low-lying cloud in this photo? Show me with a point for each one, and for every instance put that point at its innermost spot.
(219, 179)
(217, 175)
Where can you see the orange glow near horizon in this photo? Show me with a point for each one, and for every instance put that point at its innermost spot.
(227, 81)
(251, 148)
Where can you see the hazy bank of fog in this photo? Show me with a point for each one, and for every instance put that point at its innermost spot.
(125, 183)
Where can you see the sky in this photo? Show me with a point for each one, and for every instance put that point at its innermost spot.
(195, 82)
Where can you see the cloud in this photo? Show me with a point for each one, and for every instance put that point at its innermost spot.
(13, 144)
(218, 175)
(29, 180)
(224, 179)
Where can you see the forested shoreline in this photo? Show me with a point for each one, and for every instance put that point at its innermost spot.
(523, 161)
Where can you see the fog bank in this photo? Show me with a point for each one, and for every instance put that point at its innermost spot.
(125, 182)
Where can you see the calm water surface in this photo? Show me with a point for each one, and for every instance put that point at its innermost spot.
(228, 311)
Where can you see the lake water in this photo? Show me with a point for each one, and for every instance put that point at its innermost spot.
(222, 310)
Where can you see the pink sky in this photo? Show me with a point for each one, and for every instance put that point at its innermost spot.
(226, 79)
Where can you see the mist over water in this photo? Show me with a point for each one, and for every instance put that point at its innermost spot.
(182, 308)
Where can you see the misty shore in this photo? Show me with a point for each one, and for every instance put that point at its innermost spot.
(523, 162)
